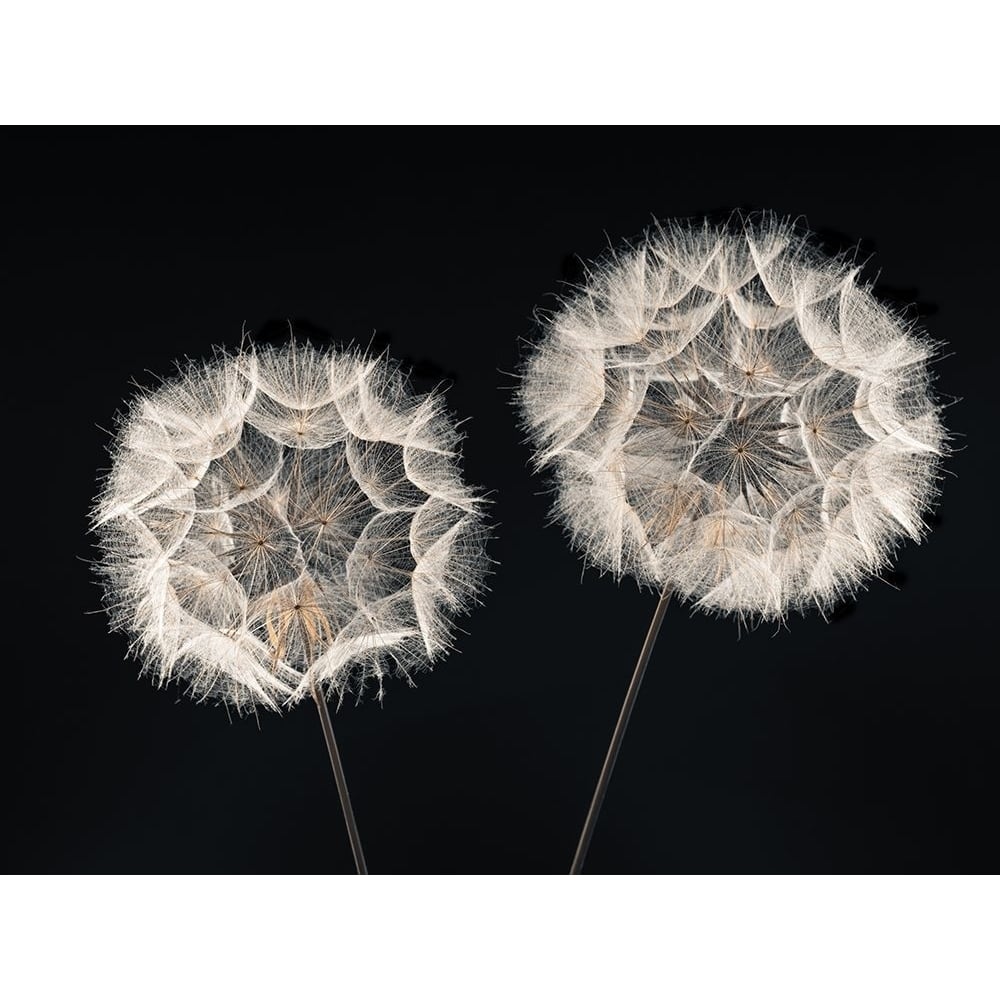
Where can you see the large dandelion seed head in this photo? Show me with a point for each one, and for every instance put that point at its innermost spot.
(732, 415)
(282, 518)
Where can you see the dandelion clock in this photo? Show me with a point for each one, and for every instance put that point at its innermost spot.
(730, 418)
(285, 523)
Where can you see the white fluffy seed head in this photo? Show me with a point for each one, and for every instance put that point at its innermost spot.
(731, 415)
(287, 517)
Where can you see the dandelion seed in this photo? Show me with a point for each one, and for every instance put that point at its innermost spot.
(287, 522)
(730, 417)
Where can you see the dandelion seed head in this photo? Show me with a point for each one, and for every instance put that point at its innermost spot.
(286, 517)
(730, 414)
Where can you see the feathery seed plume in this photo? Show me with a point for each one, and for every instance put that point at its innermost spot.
(278, 520)
(731, 415)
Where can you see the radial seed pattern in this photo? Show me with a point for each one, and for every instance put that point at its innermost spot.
(287, 517)
(732, 415)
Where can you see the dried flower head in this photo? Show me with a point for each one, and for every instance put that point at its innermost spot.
(282, 518)
(731, 415)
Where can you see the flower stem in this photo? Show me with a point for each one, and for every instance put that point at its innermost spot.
(341, 779)
(619, 734)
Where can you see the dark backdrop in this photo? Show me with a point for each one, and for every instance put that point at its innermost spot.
(867, 744)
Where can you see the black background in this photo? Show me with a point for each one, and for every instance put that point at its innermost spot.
(868, 744)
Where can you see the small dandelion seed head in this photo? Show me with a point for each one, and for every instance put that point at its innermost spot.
(727, 412)
(285, 518)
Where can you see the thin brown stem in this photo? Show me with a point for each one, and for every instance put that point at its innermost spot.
(341, 779)
(619, 734)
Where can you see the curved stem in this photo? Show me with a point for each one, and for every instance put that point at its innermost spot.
(619, 734)
(341, 779)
